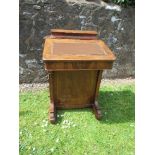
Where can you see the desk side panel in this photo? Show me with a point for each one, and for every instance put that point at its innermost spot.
(74, 89)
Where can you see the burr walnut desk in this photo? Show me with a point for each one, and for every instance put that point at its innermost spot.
(75, 61)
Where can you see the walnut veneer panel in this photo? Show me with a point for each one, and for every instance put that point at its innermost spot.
(74, 89)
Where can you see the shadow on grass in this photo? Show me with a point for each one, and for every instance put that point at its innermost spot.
(116, 106)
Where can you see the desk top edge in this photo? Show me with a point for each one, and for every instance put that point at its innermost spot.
(72, 31)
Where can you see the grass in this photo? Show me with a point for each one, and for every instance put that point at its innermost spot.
(77, 132)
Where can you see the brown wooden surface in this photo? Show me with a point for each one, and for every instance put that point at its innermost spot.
(62, 36)
(96, 107)
(77, 65)
(74, 61)
(74, 49)
(72, 31)
(99, 77)
(74, 89)
(52, 108)
(70, 34)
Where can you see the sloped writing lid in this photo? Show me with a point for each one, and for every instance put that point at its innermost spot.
(76, 50)
(75, 45)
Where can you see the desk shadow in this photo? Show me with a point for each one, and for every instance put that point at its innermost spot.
(116, 107)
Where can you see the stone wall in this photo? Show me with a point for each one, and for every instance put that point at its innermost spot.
(114, 24)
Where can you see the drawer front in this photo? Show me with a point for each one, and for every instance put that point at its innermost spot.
(78, 65)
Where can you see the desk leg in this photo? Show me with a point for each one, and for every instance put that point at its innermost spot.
(52, 113)
(52, 108)
(96, 108)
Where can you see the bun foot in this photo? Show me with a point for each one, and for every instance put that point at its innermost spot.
(52, 117)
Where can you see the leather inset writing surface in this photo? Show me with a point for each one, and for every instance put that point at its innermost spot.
(77, 48)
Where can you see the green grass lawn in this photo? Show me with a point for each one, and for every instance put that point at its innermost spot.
(77, 132)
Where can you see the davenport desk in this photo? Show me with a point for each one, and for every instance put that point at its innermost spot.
(75, 61)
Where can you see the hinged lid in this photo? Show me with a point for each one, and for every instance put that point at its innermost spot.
(61, 46)
(75, 45)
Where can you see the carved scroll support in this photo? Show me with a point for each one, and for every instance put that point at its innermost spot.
(96, 108)
(52, 108)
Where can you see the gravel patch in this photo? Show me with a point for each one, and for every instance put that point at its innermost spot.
(32, 87)
(41, 86)
(117, 81)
